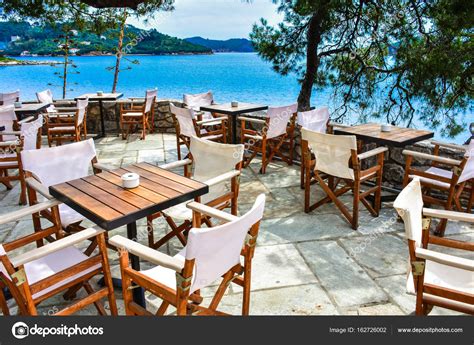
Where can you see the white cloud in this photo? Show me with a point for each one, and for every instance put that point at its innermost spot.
(218, 19)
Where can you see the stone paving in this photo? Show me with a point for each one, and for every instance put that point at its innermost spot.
(305, 264)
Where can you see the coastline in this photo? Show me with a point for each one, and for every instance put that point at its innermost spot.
(28, 63)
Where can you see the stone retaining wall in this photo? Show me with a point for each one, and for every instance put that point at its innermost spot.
(394, 162)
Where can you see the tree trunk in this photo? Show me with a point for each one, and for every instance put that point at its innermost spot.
(119, 52)
(66, 64)
(312, 61)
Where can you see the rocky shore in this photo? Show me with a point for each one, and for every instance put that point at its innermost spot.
(13, 62)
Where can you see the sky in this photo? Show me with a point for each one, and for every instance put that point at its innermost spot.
(214, 19)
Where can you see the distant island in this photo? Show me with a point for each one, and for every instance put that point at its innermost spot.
(25, 39)
(240, 45)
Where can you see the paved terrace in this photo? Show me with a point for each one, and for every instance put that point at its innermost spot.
(305, 264)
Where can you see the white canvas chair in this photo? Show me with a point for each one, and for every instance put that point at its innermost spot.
(64, 127)
(214, 164)
(38, 274)
(337, 158)
(28, 138)
(188, 125)
(49, 166)
(209, 255)
(139, 115)
(446, 175)
(55, 107)
(9, 98)
(316, 120)
(198, 100)
(273, 133)
(437, 279)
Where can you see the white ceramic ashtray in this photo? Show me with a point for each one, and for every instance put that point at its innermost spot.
(130, 180)
(100, 93)
(17, 104)
(386, 128)
(234, 104)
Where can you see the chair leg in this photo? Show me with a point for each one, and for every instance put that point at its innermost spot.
(307, 189)
(107, 275)
(355, 206)
(23, 188)
(246, 286)
(264, 156)
(126, 282)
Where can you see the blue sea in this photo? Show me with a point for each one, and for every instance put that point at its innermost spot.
(231, 76)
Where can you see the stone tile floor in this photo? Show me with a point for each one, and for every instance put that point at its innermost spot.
(305, 264)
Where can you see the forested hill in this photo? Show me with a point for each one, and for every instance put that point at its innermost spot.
(241, 45)
(17, 38)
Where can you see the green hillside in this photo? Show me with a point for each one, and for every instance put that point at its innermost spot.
(41, 40)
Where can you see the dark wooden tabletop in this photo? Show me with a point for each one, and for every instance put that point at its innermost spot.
(398, 136)
(31, 108)
(102, 199)
(228, 109)
(104, 97)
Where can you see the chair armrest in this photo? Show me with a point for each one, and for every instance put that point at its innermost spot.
(27, 211)
(147, 253)
(27, 119)
(177, 164)
(427, 156)
(251, 119)
(372, 153)
(336, 124)
(453, 215)
(450, 146)
(39, 187)
(57, 109)
(103, 167)
(445, 259)
(216, 119)
(10, 143)
(17, 133)
(211, 212)
(55, 246)
(221, 178)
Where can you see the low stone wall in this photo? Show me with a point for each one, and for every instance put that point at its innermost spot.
(394, 162)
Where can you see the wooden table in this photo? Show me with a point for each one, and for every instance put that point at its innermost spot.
(101, 199)
(398, 136)
(93, 97)
(29, 109)
(233, 112)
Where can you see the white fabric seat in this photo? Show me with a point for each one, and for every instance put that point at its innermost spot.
(436, 171)
(63, 129)
(53, 263)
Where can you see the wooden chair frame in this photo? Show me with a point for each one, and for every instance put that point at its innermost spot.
(454, 190)
(23, 292)
(138, 105)
(229, 199)
(213, 132)
(185, 303)
(256, 141)
(429, 295)
(331, 187)
(62, 120)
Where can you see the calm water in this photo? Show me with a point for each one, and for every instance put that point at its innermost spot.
(233, 76)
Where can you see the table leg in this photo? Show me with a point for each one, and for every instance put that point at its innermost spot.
(234, 129)
(138, 293)
(102, 120)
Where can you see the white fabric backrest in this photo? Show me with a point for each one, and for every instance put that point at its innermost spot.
(185, 119)
(409, 205)
(315, 120)
(53, 165)
(45, 96)
(81, 105)
(150, 98)
(468, 171)
(279, 118)
(332, 152)
(29, 132)
(216, 250)
(9, 98)
(198, 100)
(212, 159)
(7, 118)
